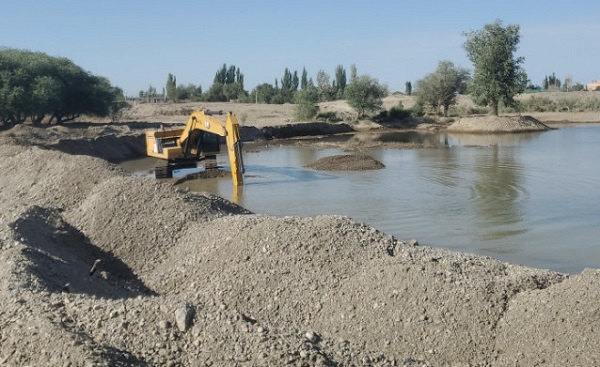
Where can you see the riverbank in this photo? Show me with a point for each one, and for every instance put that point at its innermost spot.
(192, 279)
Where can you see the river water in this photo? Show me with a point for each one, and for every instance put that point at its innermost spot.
(530, 199)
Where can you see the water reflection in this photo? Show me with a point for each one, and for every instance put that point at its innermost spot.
(436, 139)
(497, 194)
(268, 175)
(491, 139)
(440, 167)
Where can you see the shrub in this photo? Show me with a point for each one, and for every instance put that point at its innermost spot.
(305, 112)
(417, 110)
(306, 104)
(591, 105)
(328, 116)
(537, 104)
(478, 110)
(399, 113)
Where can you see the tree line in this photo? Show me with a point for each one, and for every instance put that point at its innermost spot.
(364, 93)
(497, 76)
(44, 89)
(228, 85)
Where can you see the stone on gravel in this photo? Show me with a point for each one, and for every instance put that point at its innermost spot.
(184, 317)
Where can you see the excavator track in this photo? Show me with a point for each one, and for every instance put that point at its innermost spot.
(163, 169)
(210, 162)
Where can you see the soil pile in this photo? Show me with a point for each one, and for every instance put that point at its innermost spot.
(349, 162)
(497, 124)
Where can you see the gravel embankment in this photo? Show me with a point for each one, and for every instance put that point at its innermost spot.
(189, 279)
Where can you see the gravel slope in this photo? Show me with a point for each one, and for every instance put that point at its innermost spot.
(188, 279)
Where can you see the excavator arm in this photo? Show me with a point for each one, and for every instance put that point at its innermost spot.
(192, 143)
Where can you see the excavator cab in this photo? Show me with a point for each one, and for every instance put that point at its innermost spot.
(206, 142)
(198, 141)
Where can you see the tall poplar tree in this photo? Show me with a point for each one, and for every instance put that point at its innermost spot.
(304, 79)
(171, 88)
(340, 81)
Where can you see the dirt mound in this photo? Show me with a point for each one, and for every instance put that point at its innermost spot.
(497, 124)
(348, 162)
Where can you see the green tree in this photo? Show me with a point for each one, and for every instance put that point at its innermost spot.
(232, 91)
(364, 95)
(304, 79)
(498, 75)
(41, 88)
(239, 79)
(325, 89)
(440, 88)
(231, 75)
(189, 92)
(552, 83)
(172, 88)
(221, 75)
(46, 92)
(295, 81)
(215, 93)
(228, 84)
(193, 92)
(289, 85)
(340, 81)
(353, 73)
(306, 103)
(408, 88)
(264, 93)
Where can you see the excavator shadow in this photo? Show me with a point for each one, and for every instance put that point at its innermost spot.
(62, 259)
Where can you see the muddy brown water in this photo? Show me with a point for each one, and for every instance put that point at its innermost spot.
(530, 199)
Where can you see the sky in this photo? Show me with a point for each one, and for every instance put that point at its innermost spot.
(136, 44)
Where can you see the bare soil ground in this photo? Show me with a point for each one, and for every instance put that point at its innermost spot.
(261, 115)
(190, 279)
(249, 114)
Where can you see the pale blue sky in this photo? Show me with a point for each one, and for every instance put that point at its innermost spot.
(138, 43)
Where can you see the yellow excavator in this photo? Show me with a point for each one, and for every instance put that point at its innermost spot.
(198, 141)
